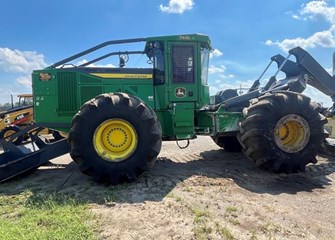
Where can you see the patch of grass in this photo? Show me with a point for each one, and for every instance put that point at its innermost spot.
(188, 189)
(199, 215)
(234, 221)
(231, 214)
(253, 235)
(224, 232)
(43, 216)
(270, 229)
(231, 209)
(202, 232)
(112, 193)
(201, 229)
(176, 197)
(179, 198)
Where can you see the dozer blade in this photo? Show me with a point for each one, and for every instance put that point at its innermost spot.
(16, 160)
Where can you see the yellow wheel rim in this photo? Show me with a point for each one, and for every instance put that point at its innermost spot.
(292, 133)
(115, 140)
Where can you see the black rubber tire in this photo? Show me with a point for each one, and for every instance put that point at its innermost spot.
(110, 106)
(228, 143)
(13, 129)
(257, 135)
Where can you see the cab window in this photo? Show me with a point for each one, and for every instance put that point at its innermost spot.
(183, 64)
(158, 60)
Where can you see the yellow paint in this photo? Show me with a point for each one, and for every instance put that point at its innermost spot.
(115, 140)
(291, 133)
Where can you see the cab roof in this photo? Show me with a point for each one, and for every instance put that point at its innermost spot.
(184, 37)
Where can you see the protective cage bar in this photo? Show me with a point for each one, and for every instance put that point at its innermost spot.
(92, 49)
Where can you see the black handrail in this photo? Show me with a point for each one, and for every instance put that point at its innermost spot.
(66, 60)
(110, 54)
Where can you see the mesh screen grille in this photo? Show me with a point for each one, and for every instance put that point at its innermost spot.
(183, 64)
(67, 92)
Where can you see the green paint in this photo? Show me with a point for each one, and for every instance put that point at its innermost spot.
(175, 88)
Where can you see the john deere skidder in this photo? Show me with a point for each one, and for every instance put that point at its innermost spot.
(116, 118)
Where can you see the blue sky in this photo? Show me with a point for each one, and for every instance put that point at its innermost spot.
(245, 34)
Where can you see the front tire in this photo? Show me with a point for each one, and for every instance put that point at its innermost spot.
(282, 132)
(115, 137)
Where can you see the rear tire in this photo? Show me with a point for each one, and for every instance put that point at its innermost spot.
(228, 143)
(115, 137)
(282, 132)
(10, 130)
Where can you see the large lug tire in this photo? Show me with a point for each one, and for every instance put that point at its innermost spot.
(228, 143)
(282, 132)
(115, 137)
(10, 130)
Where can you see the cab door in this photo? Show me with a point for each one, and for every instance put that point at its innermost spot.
(183, 79)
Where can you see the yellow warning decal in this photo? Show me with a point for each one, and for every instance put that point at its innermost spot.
(123, 75)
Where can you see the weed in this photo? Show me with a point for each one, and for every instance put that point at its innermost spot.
(234, 221)
(270, 229)
(202, 232)
(225, 233)
(201, 229)
(199, 215)
(231, 209)
(253, 235)
(188, 189)
(179, 198)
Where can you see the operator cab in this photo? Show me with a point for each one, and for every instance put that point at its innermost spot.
(180, 69)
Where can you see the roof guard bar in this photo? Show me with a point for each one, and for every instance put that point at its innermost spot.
(66, 60)
(110, 54)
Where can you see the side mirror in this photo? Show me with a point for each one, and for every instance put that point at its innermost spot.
(123, 58)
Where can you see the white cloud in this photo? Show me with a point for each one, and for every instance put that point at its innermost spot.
(312, 11)
(216, 53)
(214, 69)
(18, 65)
(24, 81)
(94, 65)
(315, 9)
(177, 6)
(318, 96)
(20, 61)
(228, 83)
(324, 39)
(296, 16)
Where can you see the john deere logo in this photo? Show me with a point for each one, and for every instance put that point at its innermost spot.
(180, 92)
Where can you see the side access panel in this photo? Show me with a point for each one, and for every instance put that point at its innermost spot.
(178, 123)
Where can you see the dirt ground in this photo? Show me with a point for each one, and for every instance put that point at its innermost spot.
(203, 192)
